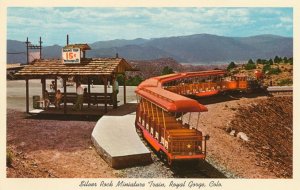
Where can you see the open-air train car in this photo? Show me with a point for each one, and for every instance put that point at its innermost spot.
(162, 103)
(203, 83)
(159, 118)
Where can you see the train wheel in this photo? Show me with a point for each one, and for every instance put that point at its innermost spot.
(162, 156)
(170, 161)
(138, 130)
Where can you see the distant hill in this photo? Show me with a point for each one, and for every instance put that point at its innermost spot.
(117, 43)
(198, 48)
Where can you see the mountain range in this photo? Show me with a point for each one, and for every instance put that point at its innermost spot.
(198, 48)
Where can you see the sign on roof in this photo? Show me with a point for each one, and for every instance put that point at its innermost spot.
(71, 55)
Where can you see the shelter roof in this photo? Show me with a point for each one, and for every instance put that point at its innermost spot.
(12, 66)
(87, 67)
(81, 46)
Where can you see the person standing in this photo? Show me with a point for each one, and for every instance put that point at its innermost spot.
(46, 99)
(58, 98)
(115, 93)
(53, 86)
(79, 101)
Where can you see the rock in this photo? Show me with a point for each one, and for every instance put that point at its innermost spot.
(265, 147)
(243, 136)
(228, 129)
(232, 132)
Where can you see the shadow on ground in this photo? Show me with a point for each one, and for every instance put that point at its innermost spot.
(85, 116)
(66, 117)
(124, 109)
(229, 96)
(195, 169)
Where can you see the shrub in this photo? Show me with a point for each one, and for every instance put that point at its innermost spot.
(258, 61)
(167, 70)
(271, 71)
(284, 82)
(250, 66)
(250, 61)
(231, 66)
(134, 81)
(270, 61)
(131, 81)
(290, 61)
(274, 71)
(266, 68)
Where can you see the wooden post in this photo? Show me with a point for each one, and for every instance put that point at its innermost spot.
(124, 88)
(115, 98)
(89, 92)
(43, 80)
(27, 95)
(55, 83)
(105, 93)
(65, 95)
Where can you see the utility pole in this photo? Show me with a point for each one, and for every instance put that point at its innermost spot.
(30, 46)
(27, 53)
(40, 47)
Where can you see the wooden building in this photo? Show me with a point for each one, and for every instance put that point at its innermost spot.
(88, 69)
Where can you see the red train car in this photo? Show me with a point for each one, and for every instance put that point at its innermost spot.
(162, 104)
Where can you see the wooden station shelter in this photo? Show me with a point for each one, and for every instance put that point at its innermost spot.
(74, 64)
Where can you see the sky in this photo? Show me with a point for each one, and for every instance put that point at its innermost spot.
(87, 25)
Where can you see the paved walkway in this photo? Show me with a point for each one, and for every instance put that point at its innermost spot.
(116, 140)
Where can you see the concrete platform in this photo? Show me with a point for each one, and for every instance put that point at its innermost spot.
(117, 142)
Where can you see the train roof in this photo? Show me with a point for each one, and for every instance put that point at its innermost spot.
(152, 90)
(176, 76)
(170, 101)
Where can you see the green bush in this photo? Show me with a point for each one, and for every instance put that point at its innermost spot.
(270, 61)
(266, 68)
(290, 61)
(250, 66)
(134, 81)
(271, 71)
(131, 81)
(167, 70)
(285, 82)
(250, 61)
(274, 71)
(231, 66)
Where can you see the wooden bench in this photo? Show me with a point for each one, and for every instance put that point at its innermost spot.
(92, 98)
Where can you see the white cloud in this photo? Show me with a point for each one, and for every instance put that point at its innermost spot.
(286, 19)
(111, 23)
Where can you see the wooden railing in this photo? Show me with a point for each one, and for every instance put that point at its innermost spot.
(176, 137)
